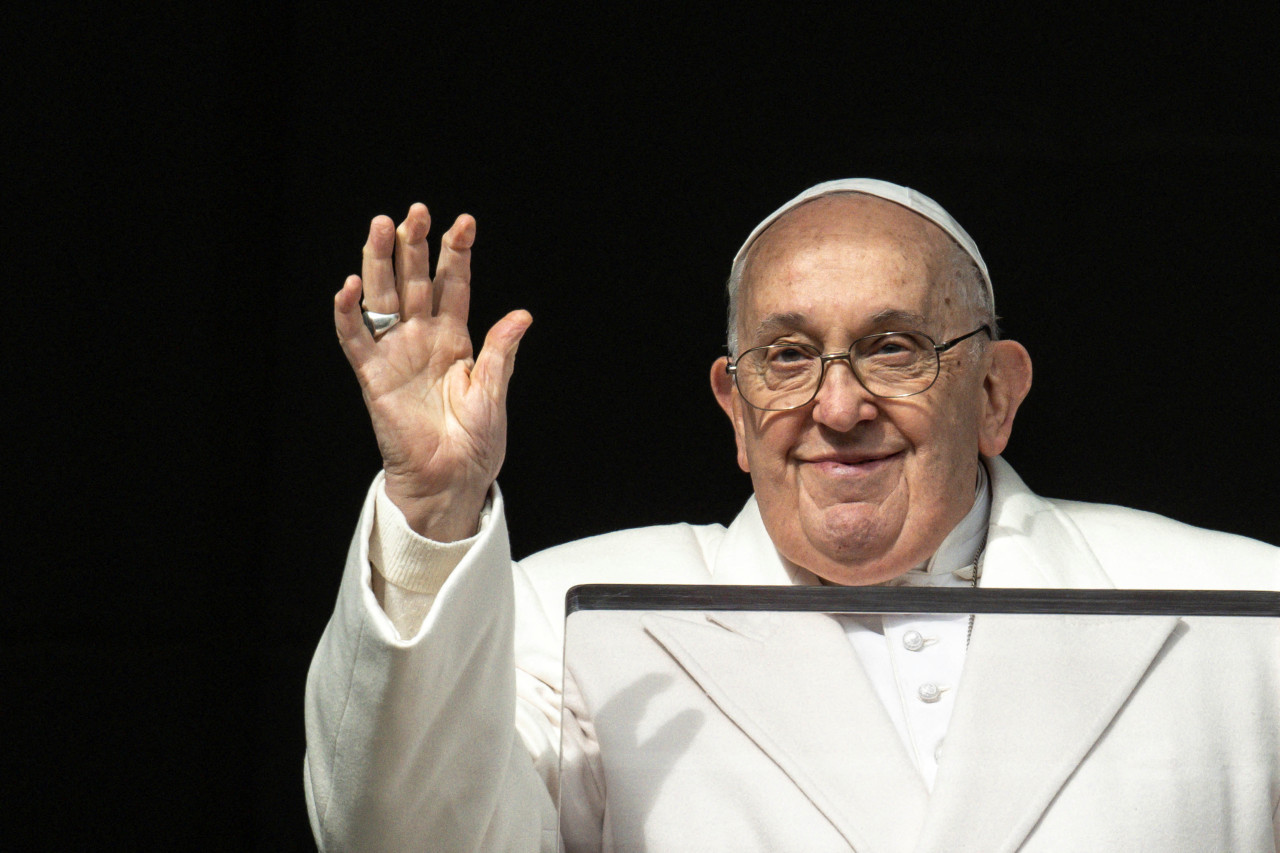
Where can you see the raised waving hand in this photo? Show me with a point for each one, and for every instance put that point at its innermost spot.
(438, 413)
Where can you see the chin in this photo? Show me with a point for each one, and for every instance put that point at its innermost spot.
(844, 542)
(855, 559)
(849, 532)
(847, 549)
(840, 574)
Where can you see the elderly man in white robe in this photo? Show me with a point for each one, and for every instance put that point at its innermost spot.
(871, 398)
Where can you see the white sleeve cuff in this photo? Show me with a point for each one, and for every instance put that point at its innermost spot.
(408, 560)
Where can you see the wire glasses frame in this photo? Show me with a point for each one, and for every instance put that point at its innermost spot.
(860, 350)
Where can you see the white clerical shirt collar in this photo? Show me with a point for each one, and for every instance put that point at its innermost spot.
(952, 564)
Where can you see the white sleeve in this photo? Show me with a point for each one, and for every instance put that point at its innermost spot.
(408, 568)
(424, 742)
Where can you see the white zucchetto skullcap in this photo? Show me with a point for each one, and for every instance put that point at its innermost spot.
(908, 198)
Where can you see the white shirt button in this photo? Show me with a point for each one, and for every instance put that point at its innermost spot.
(929, 692)
(913, 641)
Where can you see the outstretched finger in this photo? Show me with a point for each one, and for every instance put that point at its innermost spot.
(356, 341)
(497, 359)
(376, 268)
(453, 270)
(413, 262)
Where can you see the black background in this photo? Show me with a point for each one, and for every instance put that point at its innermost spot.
(189, 186)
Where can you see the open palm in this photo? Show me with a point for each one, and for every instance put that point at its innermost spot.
(438, 413)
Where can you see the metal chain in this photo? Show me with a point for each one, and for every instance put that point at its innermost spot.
(978, 557)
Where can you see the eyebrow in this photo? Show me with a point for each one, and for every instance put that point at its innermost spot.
(785, 321)
(891, 319)
(900, 321)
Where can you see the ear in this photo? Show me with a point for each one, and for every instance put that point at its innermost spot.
(1006, 385)
(726, 393)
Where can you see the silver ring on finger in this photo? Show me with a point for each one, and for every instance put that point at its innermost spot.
(378, 324)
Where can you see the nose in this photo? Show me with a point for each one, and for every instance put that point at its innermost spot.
(842, 403)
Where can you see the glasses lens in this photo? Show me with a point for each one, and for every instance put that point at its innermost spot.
(778, 377)
(896, 364)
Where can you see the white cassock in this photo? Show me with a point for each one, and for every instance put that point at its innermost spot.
(1065, 734)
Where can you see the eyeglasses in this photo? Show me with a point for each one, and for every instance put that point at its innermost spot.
(778, 377)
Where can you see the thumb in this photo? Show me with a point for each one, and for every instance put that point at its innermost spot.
(497, 359)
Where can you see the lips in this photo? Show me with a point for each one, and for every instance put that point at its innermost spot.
(844, 465)
(851, 459)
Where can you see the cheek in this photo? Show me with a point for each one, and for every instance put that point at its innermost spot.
(761, 463)
(943, 423)
(743, 432)
(945, 439)
(765, 443)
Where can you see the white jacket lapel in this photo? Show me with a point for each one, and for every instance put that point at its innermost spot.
(792, 684)
(1036, 691)
(1030, 543)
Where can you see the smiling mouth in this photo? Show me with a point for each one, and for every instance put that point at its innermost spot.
(852, 466)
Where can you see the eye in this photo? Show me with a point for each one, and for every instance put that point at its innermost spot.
(891, 343)
(788, 355)
(896, 348)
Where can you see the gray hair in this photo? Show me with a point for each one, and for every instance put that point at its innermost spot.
(732, 288)
(960, 273)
